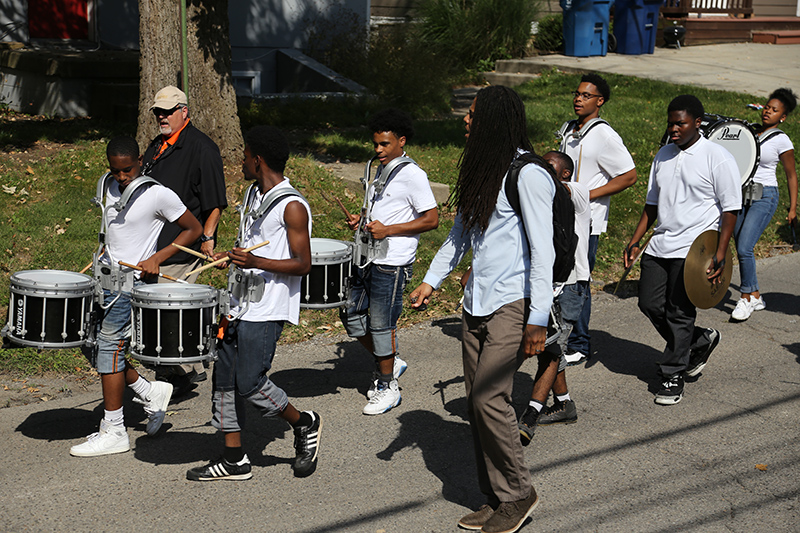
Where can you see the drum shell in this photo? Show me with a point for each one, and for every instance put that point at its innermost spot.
(327, 285)
(50, 309)
(174, 323)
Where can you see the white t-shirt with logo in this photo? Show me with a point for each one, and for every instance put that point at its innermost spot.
(771, 151)
(599, 156)
(132, 234)
(281, 300)
(405, 198)
(691, 188)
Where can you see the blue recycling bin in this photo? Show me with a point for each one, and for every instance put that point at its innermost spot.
(636, 25)
(586, 27)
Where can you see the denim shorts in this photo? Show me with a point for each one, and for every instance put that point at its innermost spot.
(113, 334)
(375, 304)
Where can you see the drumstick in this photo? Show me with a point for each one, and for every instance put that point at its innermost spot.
(123, 263)
(194, 253)
(222, 260)
(341, 205)
(87, 267)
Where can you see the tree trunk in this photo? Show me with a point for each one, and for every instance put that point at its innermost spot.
(212, 98)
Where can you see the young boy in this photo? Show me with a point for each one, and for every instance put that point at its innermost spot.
(605, 166)
(399, 213)
(264, 296)
(131, 236)
(550, 373)
(694, 187)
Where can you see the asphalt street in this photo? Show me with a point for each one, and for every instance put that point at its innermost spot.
(724, 459)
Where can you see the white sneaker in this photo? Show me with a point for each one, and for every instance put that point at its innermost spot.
(110, 439)
(383, 399)
(744, 308)
(400, 367)
(574, 358)
(155, 405)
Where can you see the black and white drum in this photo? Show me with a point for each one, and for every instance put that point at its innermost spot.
(174, 323)
(328, 284)
(50, 308)
(736, 136)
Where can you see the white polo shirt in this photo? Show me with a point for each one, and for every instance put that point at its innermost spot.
(771, 151)
(579, 194)
(691, 188)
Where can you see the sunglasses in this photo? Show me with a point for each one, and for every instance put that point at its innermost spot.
(158, 112)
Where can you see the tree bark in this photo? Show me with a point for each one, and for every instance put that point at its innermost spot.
(210, 92)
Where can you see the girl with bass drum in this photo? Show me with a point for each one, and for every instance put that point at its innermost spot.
(761, 197)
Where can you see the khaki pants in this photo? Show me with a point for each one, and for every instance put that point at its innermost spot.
(179, 271)
(491, 350)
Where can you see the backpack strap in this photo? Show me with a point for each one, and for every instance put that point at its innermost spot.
(271, 199)
(567, 130)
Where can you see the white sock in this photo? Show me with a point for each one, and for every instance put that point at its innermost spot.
(115, 418)
(141, 387)
(563, 397)
(536, 405)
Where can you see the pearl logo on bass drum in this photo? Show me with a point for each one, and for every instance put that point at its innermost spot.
(728, 135)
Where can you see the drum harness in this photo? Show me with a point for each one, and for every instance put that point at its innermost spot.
(753, 191)
(367, 248)
(113, 277)
(248, 287)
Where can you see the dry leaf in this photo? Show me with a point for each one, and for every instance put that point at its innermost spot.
(9, 190)
(61, 231)
(29, 170)
(763, 468)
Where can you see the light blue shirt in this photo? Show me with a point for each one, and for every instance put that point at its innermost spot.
(506, 266)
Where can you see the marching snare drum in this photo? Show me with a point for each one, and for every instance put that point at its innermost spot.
(50, 308)
(736, 136)
(173, 323)
(328, 283)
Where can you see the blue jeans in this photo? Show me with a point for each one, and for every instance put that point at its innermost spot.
(753, 219)
(579, 338)
(113, 334)
(245, 356)
(375, 304)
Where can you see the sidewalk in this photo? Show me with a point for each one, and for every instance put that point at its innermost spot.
(757, 69)
(626, 465)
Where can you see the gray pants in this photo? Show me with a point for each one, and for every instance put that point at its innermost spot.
(491, 349)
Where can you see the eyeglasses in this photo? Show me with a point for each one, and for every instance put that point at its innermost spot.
(158, 112)
(585, 96)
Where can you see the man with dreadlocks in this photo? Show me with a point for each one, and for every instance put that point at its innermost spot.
(507, 298)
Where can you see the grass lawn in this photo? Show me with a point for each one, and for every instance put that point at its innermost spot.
(49, 170)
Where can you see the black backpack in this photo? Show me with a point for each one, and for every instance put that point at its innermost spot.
(565, 240)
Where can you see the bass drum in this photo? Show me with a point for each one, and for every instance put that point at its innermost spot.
(736, 136)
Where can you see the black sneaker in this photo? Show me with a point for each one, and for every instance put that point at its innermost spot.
(559, 413)
(221, 469)
(527, 425)
(671, 391)
(306, 446)
(698, 359)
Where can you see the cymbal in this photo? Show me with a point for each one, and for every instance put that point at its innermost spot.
(701, 292)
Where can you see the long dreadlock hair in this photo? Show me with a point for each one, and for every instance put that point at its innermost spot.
(497, 130)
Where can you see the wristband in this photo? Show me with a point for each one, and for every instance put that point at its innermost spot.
(206, 238)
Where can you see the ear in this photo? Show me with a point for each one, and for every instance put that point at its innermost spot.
(697, 122)
(566, 174)
(600, 101)
(141, 159)
(402, 141)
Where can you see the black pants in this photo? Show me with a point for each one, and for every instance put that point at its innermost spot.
(663, 299)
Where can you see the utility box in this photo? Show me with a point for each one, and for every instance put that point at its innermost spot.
(636, 25)
(586, 27)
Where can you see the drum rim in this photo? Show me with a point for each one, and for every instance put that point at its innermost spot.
(84, 281)
(171, 292)
(331, 256)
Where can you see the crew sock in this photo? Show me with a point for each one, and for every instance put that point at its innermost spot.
(141, 387)
(115, 417)
(233, 454)
(563, 397)
(536, 405)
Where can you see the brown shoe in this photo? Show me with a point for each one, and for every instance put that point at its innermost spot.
(510, 516)
(476, 520)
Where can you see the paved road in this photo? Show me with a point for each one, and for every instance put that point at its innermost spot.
(752, 68)
(627, 465)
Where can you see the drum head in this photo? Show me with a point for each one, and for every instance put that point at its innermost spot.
(736, 136)
(51, 279)
(174, 293)
(329, 251)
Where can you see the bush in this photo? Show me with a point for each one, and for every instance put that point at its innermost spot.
(550, 35)
(474, 31)
(394, 63)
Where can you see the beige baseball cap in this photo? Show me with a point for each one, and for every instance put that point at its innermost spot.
(169, 97)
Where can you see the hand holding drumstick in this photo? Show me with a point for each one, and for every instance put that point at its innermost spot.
(240, 257)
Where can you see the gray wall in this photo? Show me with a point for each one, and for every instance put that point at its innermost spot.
(14, 20)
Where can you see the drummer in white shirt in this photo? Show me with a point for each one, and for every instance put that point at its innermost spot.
(400, 213)
(694, 186)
